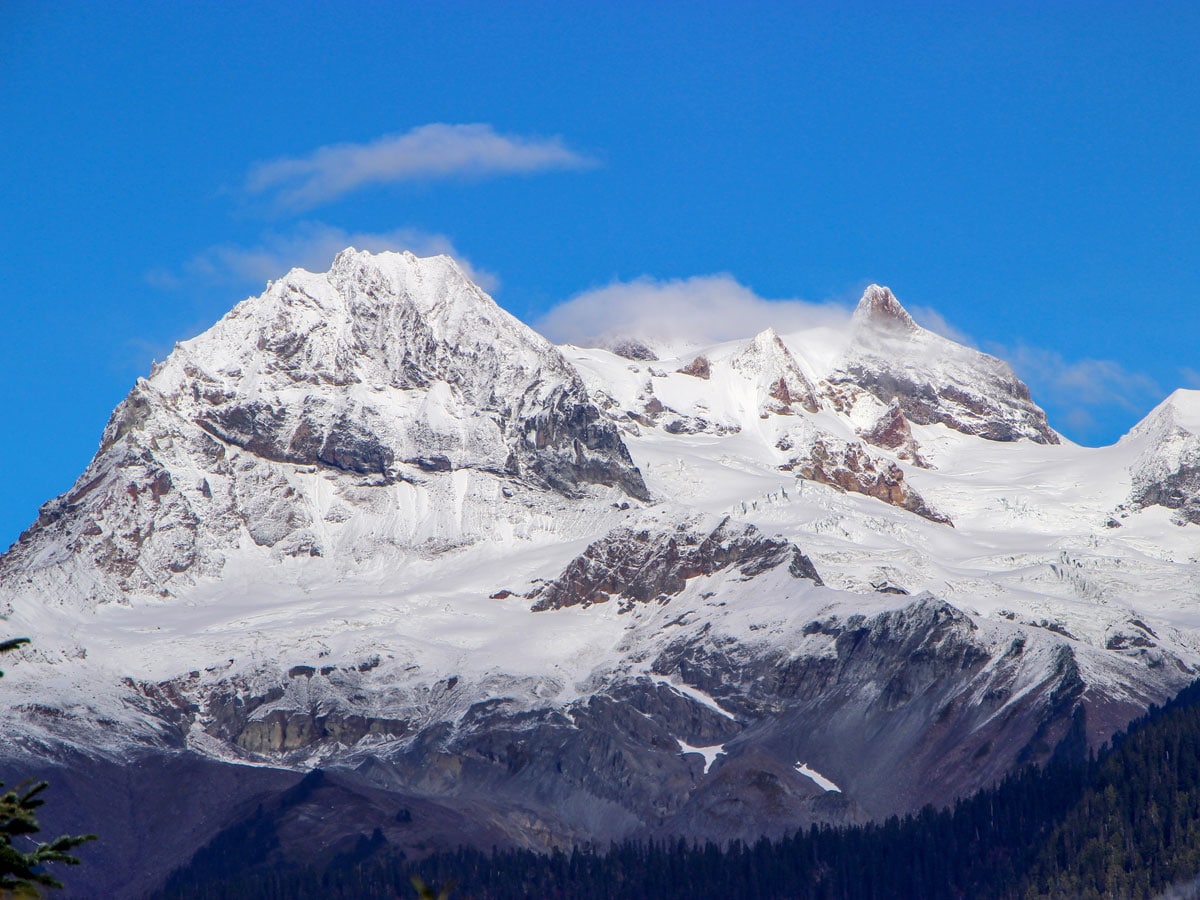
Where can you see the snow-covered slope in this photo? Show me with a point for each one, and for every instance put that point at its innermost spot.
(370, 520)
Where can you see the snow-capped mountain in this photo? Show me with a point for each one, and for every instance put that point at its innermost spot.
(371, 522)
(935, 381)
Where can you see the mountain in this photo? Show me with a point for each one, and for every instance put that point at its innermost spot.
(539, 596)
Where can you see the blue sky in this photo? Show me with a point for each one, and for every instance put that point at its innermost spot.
(1026, 172)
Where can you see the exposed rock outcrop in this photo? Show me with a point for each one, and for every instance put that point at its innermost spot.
(698, 368)
(781, 383)
(653, 413)
(849, 466)
(632, 348)
(892, 432)
(958, 709)
(641, 565)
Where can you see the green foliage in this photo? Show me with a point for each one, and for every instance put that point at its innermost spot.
(1135, 830)
(22, 872)
(425, 892)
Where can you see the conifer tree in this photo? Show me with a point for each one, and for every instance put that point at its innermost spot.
(22, 873)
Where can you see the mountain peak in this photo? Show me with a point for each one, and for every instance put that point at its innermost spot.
(880, 308)
(1185, 409)
(937, 380)
(1180, 412)
(765, 349)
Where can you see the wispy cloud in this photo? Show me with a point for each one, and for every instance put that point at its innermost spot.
(312, 246)
(424, 153)
(1089, 399)
(1084, 382)
(703, 309)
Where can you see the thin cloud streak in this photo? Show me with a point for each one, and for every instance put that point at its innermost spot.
(1085, 382)
(1087, 397)
(428, 152)
(699, 310)
(1191, 378)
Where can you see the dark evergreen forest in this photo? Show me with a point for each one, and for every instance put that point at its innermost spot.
(1124, 823)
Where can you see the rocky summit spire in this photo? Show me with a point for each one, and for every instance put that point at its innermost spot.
(880, 308)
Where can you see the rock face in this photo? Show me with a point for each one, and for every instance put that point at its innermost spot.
(781, 383)
(953, 706)
(878, 308)
(632, 348)
(394, 335)
(643, 565)
(849, 466)
(892, 432)
(950, 700)
(935, 381)
(651, 412)
(698, 368)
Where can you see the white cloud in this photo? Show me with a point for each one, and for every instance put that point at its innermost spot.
(427, 152)
(702, 309)
(312, 246)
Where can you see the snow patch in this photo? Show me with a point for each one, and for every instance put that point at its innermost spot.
(699, 696)
(710, 754)
(821, 781)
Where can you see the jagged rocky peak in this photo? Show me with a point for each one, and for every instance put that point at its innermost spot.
(1178, 414)
(1167, 470)
(879, 308)
(782, 383)
(935, 380)
(401, 360)
(383, 320)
